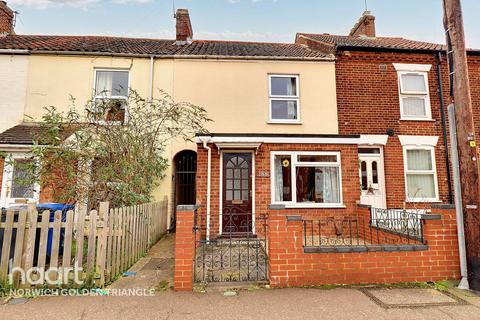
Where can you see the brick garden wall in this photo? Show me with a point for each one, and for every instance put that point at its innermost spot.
(349, 169)
(289, 265)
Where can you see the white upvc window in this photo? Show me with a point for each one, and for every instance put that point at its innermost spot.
(111, 94)
(306, 179)
(284, 99)
(420, 174)
(413, 91)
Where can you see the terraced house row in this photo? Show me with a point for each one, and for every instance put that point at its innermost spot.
(316, 129)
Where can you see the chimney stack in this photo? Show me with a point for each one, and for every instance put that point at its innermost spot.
(365, 27)
(7, 19)
(184, 26)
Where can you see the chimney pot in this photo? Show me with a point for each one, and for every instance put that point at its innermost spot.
(7, 18)
(184, 26)
(365, 26)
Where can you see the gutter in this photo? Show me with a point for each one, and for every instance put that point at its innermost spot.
(329, 58)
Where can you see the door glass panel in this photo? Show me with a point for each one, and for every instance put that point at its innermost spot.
(369, 150)
(363, 170)
(374, 172)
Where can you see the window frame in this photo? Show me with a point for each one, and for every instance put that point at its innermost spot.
(413, 172)
(414, 94)
(294, 164)
(272, 97)
(7, 180)
(112, 97)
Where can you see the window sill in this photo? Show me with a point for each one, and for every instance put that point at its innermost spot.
(283, 122)
(418, 119)
(314, 206)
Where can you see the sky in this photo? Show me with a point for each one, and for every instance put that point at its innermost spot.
(246, 20)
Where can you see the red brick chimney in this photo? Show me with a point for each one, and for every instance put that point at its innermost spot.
(184, 26)
(7, 18)
(365, 26)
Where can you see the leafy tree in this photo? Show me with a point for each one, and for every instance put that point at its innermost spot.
(81, 156)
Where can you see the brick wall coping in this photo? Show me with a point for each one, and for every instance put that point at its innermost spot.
(276, 206)
(443, 206)
(294, 218)
(431, 216)
(189, 207)
(369, 248)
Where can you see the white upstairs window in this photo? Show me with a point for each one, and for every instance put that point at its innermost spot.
(413, 91)
(111, 94)
(284, 99)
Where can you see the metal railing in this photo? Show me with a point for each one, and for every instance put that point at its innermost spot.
(356, 231)
(238, 254)
(404, 222)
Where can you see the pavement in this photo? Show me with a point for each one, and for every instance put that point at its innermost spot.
(152, 271)
(253, 303)
(248, 302)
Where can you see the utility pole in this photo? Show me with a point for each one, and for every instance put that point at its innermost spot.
(467, 148)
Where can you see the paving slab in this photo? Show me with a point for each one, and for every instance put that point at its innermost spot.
(411, 297)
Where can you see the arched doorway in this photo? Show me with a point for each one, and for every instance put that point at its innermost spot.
(184, 185)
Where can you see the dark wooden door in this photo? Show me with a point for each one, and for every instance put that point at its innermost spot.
(237, 194)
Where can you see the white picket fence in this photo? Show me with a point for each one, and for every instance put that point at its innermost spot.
(104, 242)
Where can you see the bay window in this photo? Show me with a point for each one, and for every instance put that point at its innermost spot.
(284, 98)
(306, 179)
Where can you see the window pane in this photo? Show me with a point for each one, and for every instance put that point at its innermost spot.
(419, 160)
(21, 186)
(283, 179)
(374, 172)
(363, 169)
(369, 150)
(413, 83)
(420, 186)
(284, 109)
(318, 185)
(317, 158)
(414, 107)
(112, 83)
(284, 86)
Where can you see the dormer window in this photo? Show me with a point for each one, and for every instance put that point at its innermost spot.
(284, 99)
(413, 91)
(111, 94)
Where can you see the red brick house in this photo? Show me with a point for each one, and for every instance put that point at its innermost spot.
(393, 87)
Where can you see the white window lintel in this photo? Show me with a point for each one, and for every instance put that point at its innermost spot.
(412, 67)
(418, 140)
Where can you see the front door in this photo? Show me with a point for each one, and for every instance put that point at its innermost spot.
(372, 178)
(15, 188)
(237, 194)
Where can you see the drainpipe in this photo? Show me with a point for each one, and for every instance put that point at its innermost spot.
(205, 140)
(150, 87)
(458, 200)
(444, 125)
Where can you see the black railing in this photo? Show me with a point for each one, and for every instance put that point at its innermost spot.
(238, 254)
(399, 221)
(359, 231)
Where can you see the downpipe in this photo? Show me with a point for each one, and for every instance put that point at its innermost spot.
(209, 178)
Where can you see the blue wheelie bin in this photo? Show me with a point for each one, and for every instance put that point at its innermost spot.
(53, 207)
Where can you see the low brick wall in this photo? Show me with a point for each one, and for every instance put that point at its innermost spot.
(184, 249)
(289, 265)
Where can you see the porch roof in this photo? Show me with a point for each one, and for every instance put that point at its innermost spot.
(258, 138)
